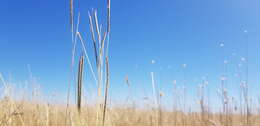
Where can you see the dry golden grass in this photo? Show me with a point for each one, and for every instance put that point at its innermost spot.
(29, 114)
(32, 113)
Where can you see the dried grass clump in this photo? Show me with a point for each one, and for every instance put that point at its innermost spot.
(99, 71)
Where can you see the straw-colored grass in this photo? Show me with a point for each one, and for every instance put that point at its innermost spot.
(29, 114)
(34, 113)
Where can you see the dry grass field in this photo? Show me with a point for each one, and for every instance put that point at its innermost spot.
(32, 114)
(18, 112)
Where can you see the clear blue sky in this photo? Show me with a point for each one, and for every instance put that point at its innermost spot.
(171, 32)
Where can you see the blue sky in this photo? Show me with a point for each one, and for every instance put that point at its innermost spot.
(171, 32)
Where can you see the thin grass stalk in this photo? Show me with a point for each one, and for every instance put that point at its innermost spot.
(248, 113)
(97, 26)
(154, 95)
(201, 93)
(100, 73)
(74, 42)
(108, 16)
(100, 65)
(97, 55)
(71, 15)
(160, 110)
(106, 92)
(93, 38)
(80, 79)
(102, 47)
(108, 25)
(154, 90)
